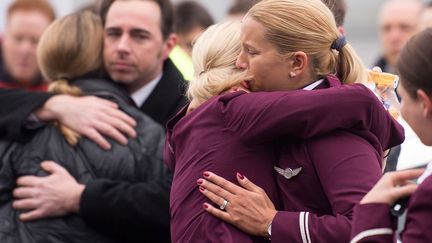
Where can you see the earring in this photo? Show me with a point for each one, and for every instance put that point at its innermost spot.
(292, 75)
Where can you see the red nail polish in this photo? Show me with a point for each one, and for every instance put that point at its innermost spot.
(240, 176)
(201, 188)
(200, 181)
(205, 206)
(206, 174)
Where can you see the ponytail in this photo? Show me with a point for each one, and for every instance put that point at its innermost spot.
(62, 86)
(350, 68)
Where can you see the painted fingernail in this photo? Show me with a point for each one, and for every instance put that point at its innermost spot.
(240, 176)
(200, 181)
(201, 188)
(206, 174)
(205, 206)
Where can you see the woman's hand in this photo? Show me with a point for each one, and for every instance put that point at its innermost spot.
(393, 186)
(249, 208)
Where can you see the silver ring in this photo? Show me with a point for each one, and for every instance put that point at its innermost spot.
(224, 205)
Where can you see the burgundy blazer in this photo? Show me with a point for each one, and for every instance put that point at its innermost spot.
(337, 170)
(374, 223)
(239, 132)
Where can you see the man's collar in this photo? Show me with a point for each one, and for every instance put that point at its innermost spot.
(141, 95)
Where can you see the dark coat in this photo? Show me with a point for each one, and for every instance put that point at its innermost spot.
(168, 97)
(136, 211)
(239, 132)
(139, 162)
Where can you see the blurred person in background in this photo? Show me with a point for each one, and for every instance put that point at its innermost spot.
(238, 9)
(426, 16)
(372, 221)
(339, 9)
(191, 19)
(68, 51)
(26, 20)
(398, 21)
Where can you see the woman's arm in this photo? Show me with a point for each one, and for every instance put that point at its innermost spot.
(372, 221)
(15, 108)
(262, 117)
(89, 116)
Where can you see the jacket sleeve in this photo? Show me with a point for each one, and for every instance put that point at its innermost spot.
(372, 223)
(128, 210)
(15, 109)
(419, 216)
(347, 167)
(265, 116)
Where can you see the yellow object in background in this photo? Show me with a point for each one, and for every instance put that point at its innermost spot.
(183, 62)
(384, 86)
(383, 80)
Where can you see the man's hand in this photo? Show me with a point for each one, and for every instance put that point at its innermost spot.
(52, 196)
(90, 117)
(248, 208)
(392, 186)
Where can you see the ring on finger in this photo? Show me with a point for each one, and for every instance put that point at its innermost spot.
(224, 204)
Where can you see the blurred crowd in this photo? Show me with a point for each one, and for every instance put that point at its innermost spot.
(107, 117)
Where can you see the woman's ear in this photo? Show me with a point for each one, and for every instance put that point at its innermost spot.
(426, 102)
(298, 62)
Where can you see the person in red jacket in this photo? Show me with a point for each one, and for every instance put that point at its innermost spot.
(372, 219)
(25, 23)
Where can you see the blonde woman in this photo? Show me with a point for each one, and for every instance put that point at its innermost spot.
(226, 130)
(295, 45)
(69, 50)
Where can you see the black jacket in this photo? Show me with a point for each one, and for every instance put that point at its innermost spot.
(140, 163)
(168, 97)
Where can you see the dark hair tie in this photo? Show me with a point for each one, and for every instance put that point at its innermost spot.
(339, 43)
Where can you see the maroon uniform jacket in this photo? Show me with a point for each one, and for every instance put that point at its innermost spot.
(336, 171)
(374, 223)
(241, 132)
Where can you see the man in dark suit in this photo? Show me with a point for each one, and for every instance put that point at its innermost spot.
(138, 39)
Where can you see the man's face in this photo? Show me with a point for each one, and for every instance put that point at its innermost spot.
(134, 48)
(23, 30)
(399, 21)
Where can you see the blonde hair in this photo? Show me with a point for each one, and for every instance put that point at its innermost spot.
(309, 26)
(69, 48)
(214, 56)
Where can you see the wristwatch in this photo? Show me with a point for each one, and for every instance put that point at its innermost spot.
(269, 230)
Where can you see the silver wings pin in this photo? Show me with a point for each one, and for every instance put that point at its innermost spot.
(288, 173)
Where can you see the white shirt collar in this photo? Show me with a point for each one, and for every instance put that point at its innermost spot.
(426, 173)
(313, 85)
(141, 95)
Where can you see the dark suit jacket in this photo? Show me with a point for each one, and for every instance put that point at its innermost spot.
(168, 97)
(128, 210)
